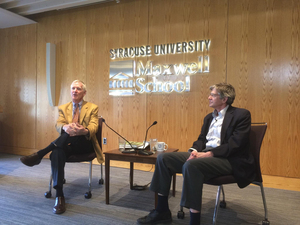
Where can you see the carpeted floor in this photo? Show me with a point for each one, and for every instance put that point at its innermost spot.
(22, 198)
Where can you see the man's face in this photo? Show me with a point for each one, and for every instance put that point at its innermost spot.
(215, 101)
(77, 92)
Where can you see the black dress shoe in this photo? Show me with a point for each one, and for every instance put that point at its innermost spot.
(31, 160)
(156, 217)
(60, 205)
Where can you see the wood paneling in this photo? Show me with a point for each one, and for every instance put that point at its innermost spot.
(263, 65)
(126, 27)
(172, 22)
(18, 88)
(68, 32)
(254, 46)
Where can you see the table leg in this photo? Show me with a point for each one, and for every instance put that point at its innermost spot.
(107, 168)
(131, 175)
(174, 184)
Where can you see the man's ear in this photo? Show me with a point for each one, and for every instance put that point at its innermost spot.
(225, 99)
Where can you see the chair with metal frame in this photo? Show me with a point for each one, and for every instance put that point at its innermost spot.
(257, 134)
(88, 157)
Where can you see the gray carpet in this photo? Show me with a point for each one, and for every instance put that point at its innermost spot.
(22, 198)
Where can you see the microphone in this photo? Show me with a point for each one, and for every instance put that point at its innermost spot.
(140, 151)
(118, 134)
(154, 123)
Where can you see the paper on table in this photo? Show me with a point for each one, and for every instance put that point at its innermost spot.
(135, 144)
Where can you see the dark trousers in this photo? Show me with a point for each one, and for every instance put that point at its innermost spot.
(66, 146)
(195, 172)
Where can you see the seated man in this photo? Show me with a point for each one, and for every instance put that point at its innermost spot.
(222, 148)
(77, 125)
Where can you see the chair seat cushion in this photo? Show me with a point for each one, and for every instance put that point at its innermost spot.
(81, 157)
(227, 179)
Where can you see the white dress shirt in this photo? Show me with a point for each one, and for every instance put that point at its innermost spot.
(214, 133)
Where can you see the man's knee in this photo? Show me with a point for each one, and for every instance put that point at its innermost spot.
(190, 167)
(186, 167)
(160, 158)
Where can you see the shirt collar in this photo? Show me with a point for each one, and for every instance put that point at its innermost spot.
(221, 114)
(80, 104)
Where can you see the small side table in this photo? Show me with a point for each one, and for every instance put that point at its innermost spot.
(116, 154)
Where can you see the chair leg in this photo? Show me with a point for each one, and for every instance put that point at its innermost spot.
(265, 221)
(48, 193)
(90, 176)
(180, 213)
(223, 202)
(101, 181)
(89, 193)
(217, 204)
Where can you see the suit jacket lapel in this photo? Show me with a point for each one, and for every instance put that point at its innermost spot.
(83, 111)
(208, 124)
(70, 112)
(226, 122)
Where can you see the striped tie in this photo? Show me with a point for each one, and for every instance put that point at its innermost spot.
(76, 114)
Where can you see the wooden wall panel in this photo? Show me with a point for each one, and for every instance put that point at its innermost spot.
(18, 88)
(177, 21)
(127, 115)
(263, 51)
(254, 46)
(83, 39)
(124, 114)
(68, 32)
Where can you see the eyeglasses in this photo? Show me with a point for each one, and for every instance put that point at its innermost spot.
(214, 95)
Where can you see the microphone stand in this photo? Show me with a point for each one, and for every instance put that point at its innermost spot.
(154, 123)
(135, 150)
(120, 136)
(140, 151)
(143, 152)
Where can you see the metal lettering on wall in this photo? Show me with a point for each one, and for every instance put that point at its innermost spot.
(129, 77)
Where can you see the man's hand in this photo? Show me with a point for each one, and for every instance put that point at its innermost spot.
(195, 155)
(75, 129)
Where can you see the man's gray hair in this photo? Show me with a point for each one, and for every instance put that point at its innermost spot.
(79, 81)
(225, 90)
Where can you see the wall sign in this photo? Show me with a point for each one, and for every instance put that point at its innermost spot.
(128, 77)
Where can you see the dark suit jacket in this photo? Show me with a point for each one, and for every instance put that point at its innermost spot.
(234, 143)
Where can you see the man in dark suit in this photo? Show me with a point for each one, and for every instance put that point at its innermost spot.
(77, 125)
(222, 148)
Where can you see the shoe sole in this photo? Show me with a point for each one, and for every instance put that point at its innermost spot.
(158, 222)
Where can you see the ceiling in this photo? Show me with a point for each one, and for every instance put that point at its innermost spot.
(13, 12)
